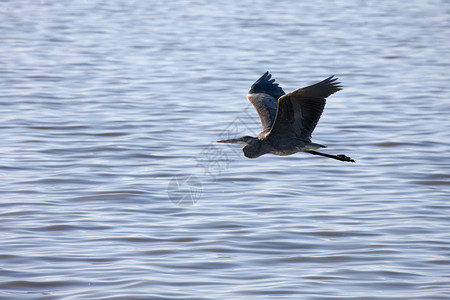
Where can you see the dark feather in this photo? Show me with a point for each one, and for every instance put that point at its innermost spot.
(299, 111)
(267, 86)
(263, 95)
(322, 89)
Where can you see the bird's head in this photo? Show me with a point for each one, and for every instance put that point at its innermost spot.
(252, 145)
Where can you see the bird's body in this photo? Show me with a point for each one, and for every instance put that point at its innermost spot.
(287, 120)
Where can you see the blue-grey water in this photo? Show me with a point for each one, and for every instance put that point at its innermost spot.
(112, 186)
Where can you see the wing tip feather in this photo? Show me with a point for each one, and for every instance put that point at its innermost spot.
(333, 83)
(265, 84)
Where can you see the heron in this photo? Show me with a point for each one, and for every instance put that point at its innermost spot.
(287, 120)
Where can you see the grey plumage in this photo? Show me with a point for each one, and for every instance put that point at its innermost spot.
(287, 120)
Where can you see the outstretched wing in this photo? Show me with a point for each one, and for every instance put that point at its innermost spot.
(299, 111)
(263, 95)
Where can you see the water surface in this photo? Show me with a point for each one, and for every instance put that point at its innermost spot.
(113, 188)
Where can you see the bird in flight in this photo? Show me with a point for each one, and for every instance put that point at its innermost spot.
(287, 120)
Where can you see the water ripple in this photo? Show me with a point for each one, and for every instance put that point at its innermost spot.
(104, 104)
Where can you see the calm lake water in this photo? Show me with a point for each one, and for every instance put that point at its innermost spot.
(112, 185)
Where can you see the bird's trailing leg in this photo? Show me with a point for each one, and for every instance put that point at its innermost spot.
(340, 157)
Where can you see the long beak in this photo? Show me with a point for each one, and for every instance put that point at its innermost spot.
(233, 141)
